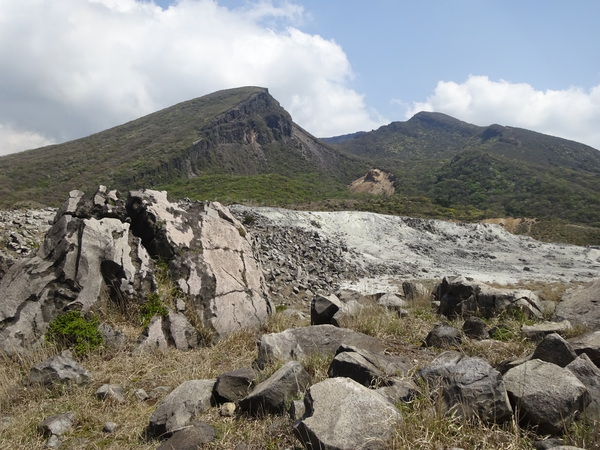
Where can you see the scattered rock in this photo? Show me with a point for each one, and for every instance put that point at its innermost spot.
(537, 331)
(59, 369)
(110, 427)
(580, 306)
(271, 396)
(589, 374)
(443, 336)
(190, 438)
(235, 385)
(392, 301)
(415, 291)
(554, 349)
(179, 407)
(343, 414)
(112, 392)
(545, 395)
(399, 390)
(298, 343)
(475, 328)
(589, 344)
(57, 425)
(468, 386)
(322, 309)
(227, 409)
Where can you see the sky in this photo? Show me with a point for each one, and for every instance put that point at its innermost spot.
(71, 68)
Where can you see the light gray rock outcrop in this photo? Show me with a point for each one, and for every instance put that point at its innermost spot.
(298, 343)
(469, 386)
(580, 306)
(272, 395)
(461, 297)
(58, 369)
(342, 414)
(179, 408)
(545, 395)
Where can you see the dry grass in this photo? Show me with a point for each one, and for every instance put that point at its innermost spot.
(424, 425)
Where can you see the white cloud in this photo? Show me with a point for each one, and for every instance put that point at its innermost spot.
(74, 67)
(13, 140)
(572, 113)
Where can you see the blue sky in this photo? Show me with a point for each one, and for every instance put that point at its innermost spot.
(80, 66)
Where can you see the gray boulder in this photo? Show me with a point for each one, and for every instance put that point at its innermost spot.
(461, 297)
(554, 349)
(468, 386)
(179, 408)
(272, 395)
(414, 291)
(57, 425)
(392, 301)
(298, 343)
(538, 331)
(366, 367)
(580, 306)
(234, 385)
(475, 328)
(545, 395)
(343, 414)
(589, 344)
(114, 392)
(58, 369)
(323, 308)
(589, 374)
(443, 336)
(192, 437)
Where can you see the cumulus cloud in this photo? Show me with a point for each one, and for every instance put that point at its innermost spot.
(75, 67)
(572, 113)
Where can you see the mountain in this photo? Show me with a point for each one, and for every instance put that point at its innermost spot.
(499, 170)
(191, 146)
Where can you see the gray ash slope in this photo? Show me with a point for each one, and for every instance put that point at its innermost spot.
(371, 252)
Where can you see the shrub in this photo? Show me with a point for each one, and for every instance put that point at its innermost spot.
(152, 307)
(73, 331)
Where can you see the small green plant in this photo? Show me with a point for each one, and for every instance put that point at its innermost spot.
(73, 331)
(153, 306)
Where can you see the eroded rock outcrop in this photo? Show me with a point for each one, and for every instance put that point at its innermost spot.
(104, 249)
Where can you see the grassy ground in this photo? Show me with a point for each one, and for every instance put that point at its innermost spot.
(23, 407)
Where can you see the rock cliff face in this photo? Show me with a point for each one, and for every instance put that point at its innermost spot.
(104, 249)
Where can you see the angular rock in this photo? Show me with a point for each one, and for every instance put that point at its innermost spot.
(392, 301)
(190, 438)
(475, 328)
(589, 344)
(323, 308)
(589, 374)
(298, 343)
(343, 414)
(180, 333)
(367, 368)
(537, 331)
(58, 369)
(469, 386)
(114, 392)
(271, 396)
(234, 385)
(211, 258)
(179, 408)
(545, 395)
(153, 338)
(580, 306)
(399, 390)
(111, 338)
(57, 424)
(554, 349)
(461, 297)
(414, 291)
(443, 336)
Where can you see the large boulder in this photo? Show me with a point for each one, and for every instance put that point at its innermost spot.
(580, 306)
(545, 395)
(467, 386)
(461, 297)
(343, 414)
(589, 374)
(298, 343)
(211, 258)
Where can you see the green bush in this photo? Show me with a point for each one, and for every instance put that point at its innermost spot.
(73, 331)
(152, 307)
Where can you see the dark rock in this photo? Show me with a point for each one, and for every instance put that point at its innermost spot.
(475, 328)
(366, 367)
(589, 374)
(322, 309)
(190, 438)
(554, 349)
(545, 395)
(271, 396)
(468, 386)
(443, 336)
(343, 414)
(580, 306)
(234, 385)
